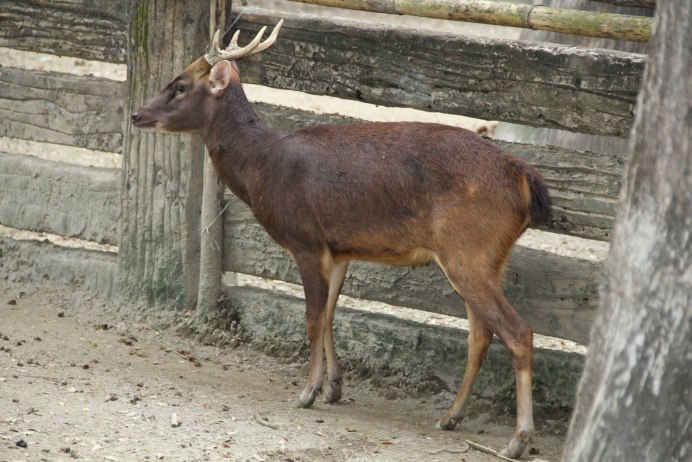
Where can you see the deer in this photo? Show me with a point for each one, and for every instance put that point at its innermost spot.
(398, 193)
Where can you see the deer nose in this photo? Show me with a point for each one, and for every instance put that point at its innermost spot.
(135, 116)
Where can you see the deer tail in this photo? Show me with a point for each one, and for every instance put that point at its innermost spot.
(540, 210)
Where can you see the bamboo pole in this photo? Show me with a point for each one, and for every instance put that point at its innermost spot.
(632, 3)
(590, 24)
(211, 240)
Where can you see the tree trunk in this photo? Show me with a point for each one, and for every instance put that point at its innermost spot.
(634, 400)
(162, 173)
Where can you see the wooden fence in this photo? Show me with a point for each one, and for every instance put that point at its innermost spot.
(150, 207)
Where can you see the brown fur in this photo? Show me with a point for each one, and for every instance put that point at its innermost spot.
(399, 193)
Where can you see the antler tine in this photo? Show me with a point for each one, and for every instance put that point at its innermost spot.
(270, 40)
(233, 51)
(213, 56)
(215, 42)
(234, 39)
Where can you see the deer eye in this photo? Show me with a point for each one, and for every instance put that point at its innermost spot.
(179, 89)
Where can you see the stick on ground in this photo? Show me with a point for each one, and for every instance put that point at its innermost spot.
(489, 451)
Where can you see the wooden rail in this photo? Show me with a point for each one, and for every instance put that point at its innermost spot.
(59, 198)
(385, 343)
(61, 108)
(81, 28)
(631, 3)
(42, 263)
(537, 17)
(537, 84)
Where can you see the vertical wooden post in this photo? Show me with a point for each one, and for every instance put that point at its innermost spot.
(634, 401)
(211, 241)
(162, 173)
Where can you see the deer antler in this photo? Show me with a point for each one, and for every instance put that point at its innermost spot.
(234, 52)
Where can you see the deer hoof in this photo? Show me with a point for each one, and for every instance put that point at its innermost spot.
(517, 444)
(332, 392)
(299, 404)
(447, 423)
(305, 400)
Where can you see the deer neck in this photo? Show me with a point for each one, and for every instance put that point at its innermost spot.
(239, 144)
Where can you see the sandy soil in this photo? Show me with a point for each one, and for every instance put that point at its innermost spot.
(77, 385)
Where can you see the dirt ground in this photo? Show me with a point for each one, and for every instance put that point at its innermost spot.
(78, 382)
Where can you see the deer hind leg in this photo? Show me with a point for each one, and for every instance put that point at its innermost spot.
(482, 292)
(314, 273)
(478, 343)
(332, 391)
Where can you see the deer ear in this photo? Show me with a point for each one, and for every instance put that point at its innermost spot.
(220, 77)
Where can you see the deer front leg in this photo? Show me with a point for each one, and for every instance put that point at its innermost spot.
(316, 286)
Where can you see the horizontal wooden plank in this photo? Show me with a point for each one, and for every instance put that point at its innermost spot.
(59, 198)
(81, 111)
(289, 119)
(87, 29)
(584, 185)
(72, 269)
(557, 295)
(399, 352)
(540, 84)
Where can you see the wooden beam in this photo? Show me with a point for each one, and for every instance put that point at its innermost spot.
(74, 110)
(537, 17)
(43, 263)
(537, 84)
(584, 185)
(210, 258)
(403, 353)
(79, 28)
(59, 198)
(557, 295)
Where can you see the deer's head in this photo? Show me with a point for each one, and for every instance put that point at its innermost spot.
(190, 100)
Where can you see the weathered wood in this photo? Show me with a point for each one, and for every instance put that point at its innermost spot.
(584, 185)
(288, 118)
(42, 263)
(632, 3)
(563, 138)
(400, 353)
(210, 264)
(87, 29)
(532, 83)
(162, 173)
(557, 295)
(575, 22)
(81, 111)
(635, 398)
(59, 198)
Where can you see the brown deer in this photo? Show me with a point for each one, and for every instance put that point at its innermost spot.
(397, 193)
